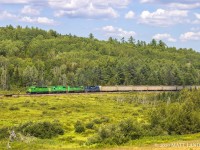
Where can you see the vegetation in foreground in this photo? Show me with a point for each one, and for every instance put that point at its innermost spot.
(99, 120)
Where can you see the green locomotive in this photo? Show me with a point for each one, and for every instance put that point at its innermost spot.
(38, 90)
(54, 89)
(75, 89)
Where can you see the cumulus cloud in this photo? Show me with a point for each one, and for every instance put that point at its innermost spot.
(184, 5)
(163, 17)
(88, 8)
(7, 15)
(176, 4)
(16, 1)
(74, 8)
(164, 36)
(130, 15)
(190, 36)
(39, 20)
(146, 1)
(88, 12)
(117, 32)
(195, 29)
(75, 4)
(197, 20)
(197, 15)
(30, 10)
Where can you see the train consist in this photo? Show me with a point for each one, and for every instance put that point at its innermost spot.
(79, 89)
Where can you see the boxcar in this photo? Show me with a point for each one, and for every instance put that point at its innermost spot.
(154, 88)
(108, 88)
(125, 88)
(170, 88)
(140, 88)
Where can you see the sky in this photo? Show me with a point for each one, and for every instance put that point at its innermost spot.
(176, 22)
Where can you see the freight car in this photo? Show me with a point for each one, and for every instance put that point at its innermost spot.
(144, 88)
(78, 89)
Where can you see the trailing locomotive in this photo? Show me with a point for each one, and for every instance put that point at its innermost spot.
(78, 89)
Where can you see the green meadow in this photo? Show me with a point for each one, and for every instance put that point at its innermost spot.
(82, 117)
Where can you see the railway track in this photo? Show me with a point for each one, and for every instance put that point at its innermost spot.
(112, 89)
(64, 94)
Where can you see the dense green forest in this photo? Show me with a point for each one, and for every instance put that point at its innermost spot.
(32, 56)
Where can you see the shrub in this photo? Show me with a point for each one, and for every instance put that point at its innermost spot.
(4, 133)
(14, 108)
(90, 125)
(79, 127)
(53, 108)
(130, 129)
(117, 134)
(101, 120)
(97, 121)
(176, 118)
(41, 130)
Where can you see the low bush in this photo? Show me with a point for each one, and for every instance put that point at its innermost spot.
(4, 133)
(117, 134)
(14, 108)
(101, 120)
(79, 127)
(90, 125)
(41, 130)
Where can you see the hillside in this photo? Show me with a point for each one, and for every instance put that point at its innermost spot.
(31, 56)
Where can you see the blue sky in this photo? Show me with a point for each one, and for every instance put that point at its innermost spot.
(176, 22)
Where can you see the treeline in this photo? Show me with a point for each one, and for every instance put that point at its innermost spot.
(31, 56)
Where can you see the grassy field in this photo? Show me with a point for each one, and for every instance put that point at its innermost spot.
(100, 109)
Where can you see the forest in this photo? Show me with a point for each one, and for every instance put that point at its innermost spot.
(32, 56)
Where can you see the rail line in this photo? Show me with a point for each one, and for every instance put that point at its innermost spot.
(111, 89)
(65, 94)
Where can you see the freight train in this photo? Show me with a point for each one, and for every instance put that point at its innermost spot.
(78, 89)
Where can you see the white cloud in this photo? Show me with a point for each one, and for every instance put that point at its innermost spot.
(190, 36)
(130, 15)
(88, 12)
(39, 20)
(117, 32)
(163, 17)
(176, 4)
(15, 1)
(195, 29)
(146, 1)
(30, 10)
(197, 20)
(7, 15)
(88, 8)
(184, 5)
(164, 36)
(76, 4)
(197, 15)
